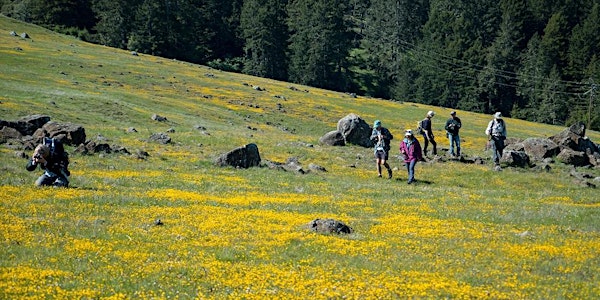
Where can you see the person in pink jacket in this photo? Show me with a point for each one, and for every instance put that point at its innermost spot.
(411, 150)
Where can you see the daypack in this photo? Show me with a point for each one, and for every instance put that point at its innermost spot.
(58, 154)
(420, 129)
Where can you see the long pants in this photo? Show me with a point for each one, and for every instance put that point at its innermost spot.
(433, 143)
(46, 179)
(454, 141)
(410, 167)
(497, 148)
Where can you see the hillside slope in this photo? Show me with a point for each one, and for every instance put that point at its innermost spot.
(464, 231)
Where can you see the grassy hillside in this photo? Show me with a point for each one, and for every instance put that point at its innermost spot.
(465, 231)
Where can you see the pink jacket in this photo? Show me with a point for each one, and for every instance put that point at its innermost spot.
(413, 152)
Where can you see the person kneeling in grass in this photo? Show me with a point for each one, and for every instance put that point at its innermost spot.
(411, 150)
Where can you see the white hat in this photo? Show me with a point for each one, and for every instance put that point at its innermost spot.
(431, 113)
(498, 115)
(408, 132)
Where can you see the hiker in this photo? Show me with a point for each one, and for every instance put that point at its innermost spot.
(496, 132)
(452, 127)
(411, 150)
(381, 137)
(54, 166)
(427, 132)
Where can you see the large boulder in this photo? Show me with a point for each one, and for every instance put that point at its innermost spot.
(355, 130)
(571, 137)
(67, 133)
(515, 158)
(27, 125)
(572, 157)
(9, 133)
(540, 148)
(243, 157)
(333, 138)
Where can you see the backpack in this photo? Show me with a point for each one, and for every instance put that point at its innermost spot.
(58, 154)
(420, 129)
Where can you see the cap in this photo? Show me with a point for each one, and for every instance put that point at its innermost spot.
(377, 123)
(408, 132)
(431, 113)
(453, 113)
(498, 115)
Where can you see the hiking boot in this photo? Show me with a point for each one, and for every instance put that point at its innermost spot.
(389, 173)
(379, 175)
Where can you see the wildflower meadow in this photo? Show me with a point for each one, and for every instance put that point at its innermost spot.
(174, 225)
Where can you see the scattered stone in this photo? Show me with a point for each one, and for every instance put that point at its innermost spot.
(243, 157)
(329, 226)
(315, 167)
(158, 118)
(141, 154)
(161, 138)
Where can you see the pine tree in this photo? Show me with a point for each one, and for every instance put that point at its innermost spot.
(319, 43)
(391, 30)
(265, 33)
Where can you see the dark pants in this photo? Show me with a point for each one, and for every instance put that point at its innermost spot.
(427, 141)
(497, 144)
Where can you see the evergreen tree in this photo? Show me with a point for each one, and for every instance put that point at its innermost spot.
(392, 28)
(115, 18)
(265, 34)
(584, 43)
(319, 43)
(498, 79)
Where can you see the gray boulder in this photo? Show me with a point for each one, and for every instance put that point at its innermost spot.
(27, 125)
(9, 133)
(515, 159)
(329, 226)
(160, 137)
(333, 138)
(572, 157)
(540, 148)
(243, 157)
(355, 130)
(67, 133)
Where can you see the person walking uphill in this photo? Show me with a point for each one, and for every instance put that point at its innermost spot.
(496, 132)
(427, 132)
(411, 150)
(452, 127)
(381, 137)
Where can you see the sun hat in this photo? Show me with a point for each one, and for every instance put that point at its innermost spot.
(408, 132)
(431, 113)
(498, 115)
(377, 123)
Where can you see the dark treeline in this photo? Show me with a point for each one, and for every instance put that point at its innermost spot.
(531, 59)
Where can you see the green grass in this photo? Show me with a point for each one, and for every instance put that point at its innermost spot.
(465, 231)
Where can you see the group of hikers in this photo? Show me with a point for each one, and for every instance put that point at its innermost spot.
(410, 148)
(53, 160)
